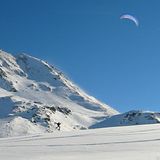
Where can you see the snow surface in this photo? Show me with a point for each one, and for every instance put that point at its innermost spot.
(117, 143)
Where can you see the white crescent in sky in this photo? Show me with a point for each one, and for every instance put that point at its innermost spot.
(130, 17)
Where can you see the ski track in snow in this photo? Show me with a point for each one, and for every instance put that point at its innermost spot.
(116, 143)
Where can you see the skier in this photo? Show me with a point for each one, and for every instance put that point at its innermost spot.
(58, 125)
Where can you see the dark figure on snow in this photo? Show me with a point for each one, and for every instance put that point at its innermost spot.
(58, 126)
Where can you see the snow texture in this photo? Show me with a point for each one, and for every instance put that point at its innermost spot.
(118, 143)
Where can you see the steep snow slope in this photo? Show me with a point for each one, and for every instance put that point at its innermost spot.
(36, 95)
(118, 143)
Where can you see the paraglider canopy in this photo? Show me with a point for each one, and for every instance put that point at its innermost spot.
(130, 17)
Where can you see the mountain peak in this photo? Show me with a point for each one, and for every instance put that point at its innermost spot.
(39, 95)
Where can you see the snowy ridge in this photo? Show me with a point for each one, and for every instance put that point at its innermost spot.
(35, 95)
(129, 118)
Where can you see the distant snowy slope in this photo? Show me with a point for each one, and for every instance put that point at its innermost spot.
(37, 95)
(129, 118)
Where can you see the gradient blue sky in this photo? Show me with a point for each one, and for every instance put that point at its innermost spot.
(111, 59)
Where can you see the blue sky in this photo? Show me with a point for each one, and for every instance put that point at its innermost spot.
(111, 59)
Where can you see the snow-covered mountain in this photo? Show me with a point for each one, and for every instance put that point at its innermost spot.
(34, 96)
(134, 117)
